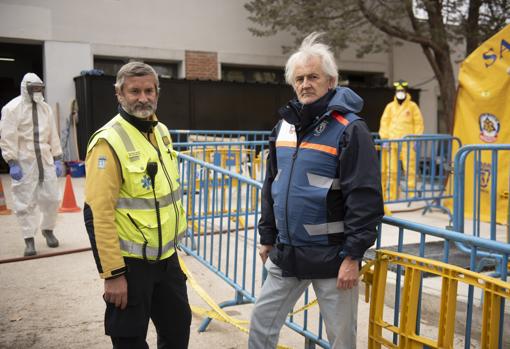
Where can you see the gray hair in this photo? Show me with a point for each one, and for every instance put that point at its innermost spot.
(310, 47)
(135, 69)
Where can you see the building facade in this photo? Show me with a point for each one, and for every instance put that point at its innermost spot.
(193, 39)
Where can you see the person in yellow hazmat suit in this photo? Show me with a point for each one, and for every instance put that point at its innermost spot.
(401, 117)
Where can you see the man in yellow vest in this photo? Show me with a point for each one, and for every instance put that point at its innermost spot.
(133, 214)
(401, 117)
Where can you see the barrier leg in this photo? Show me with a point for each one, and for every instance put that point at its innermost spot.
(309, 344)
(393, 173)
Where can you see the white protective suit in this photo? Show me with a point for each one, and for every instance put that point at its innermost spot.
(31, 139)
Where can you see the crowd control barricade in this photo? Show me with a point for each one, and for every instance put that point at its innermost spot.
(420, 302)
(183, 136)
(245, 158)
(416, 168)
(225, 241)
(481, 200)
(222, 235)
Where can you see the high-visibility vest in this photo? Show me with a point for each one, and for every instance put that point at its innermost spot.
(307, 172)
(135, 213)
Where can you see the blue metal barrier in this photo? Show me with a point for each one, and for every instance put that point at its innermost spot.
(416, 168)
(223, 209)
(247, 158)
(484, 179)
(182, 136)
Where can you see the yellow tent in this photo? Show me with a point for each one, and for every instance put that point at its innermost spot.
(482, 116)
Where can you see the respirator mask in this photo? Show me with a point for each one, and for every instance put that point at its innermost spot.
(401, 95)
(35, 91)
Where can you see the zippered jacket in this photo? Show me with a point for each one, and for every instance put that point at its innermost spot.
(321, 194)
(136, 213)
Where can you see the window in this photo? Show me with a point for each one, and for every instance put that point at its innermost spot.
(252, 74)
(110, 66)
(362, 79)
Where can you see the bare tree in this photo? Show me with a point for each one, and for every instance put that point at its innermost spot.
(367, 25)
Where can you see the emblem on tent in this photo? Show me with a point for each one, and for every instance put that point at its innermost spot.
(489, 127)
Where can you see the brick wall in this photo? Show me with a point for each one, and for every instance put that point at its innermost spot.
(201, 65)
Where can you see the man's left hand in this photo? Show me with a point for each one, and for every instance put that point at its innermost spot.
(348, 275)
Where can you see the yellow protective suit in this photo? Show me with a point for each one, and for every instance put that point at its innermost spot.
(397, 121)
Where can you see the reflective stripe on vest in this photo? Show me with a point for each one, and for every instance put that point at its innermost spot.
(325, 228)
(148, 204)
(135, 248)
(126, 140)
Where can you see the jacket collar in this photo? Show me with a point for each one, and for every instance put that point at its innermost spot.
(303, 115)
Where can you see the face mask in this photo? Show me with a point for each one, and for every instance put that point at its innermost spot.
(401, 95)
(37, 97)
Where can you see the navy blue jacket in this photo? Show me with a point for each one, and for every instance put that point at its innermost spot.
(321, 198)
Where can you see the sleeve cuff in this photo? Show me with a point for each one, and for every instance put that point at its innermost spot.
(344, 254)
(114, 273)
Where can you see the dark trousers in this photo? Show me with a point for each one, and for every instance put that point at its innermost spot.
(156, 291)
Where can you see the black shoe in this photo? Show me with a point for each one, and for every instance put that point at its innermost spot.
(29, 247)
(51, 240)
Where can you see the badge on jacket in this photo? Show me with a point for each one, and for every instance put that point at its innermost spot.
(101, 162)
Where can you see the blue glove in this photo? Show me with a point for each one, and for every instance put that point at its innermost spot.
(59, 167)
(15, 171)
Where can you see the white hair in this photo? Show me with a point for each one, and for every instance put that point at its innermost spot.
(309, 48)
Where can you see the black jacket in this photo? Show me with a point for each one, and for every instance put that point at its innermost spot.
(361, 198)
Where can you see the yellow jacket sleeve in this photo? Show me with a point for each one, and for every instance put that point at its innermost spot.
(417, 120)
(384, 127)
(102, 186)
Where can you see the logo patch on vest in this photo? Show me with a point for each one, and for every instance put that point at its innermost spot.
(146, 182)
(319, 129)
(133, 154)
(166, 140)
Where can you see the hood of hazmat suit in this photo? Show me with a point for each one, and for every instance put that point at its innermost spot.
(29, 134)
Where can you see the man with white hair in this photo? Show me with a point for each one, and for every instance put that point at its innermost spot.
(321, 201)
(31, 146)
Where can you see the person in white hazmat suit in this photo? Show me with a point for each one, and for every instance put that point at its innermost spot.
(30, 144)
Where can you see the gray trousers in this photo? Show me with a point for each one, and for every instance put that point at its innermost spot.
(278, 296)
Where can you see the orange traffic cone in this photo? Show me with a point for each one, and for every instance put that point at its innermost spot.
(69, 201)
(3, 205)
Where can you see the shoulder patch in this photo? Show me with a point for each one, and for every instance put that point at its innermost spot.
(101, 162)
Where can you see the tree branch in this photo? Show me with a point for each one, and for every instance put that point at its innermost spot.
(394, 31)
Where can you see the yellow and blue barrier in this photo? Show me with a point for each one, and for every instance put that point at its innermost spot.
(223, 208)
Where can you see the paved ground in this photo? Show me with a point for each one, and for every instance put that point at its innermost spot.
(56, 302)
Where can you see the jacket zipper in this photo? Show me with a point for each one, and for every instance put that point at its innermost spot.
(167, 176)
(294, 157)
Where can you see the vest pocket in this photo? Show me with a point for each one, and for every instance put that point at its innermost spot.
(314, 199)
(138, 182)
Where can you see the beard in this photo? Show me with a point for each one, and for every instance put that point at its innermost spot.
(140, 110)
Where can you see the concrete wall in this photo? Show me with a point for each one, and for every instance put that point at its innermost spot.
(62, 62)
(165, 30)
